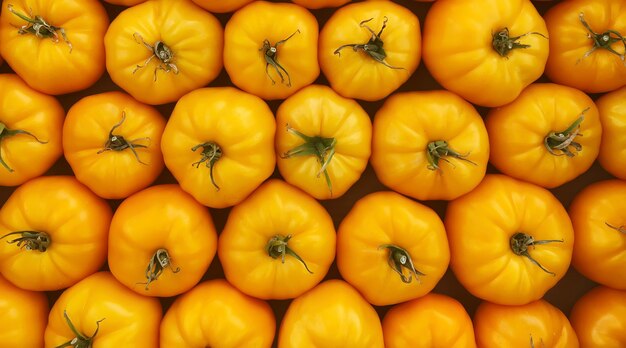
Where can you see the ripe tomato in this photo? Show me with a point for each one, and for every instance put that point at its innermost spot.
(270, 49)
(24, 316)
(367, 50)
(441, 321)
(537, 324)
(332, 314)
(510, 241)
(56, 231)
(161, 241)
(323, 141)
(391, 248)
(221, 6)
(215, 314)
(30, 131)
(219, 145)
(158, 58)
(56, 46)
(612, 108)
(100, 312)
(278, 243)
(599, 318)
(587, 45)
(111, 141)
(429, 145)
(548, 136)
(125, 2)
(598, 214)
(486, 51)
(317, 4)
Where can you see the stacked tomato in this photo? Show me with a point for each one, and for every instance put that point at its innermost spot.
(195, 173)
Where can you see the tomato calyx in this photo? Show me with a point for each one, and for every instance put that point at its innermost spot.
(603, 40)
(563, 141)
(39, 27)
(5, 132)
(521, 242)
(116, 142)
(439, 150)
(30, 240)
(162, 52)
(80, 341)
(320, 147)
(399, 259)
(503, 43)
(158, 262)
(532, 342)
(270, 54)
(211, 153)
(277, 247)
(621, 229)
(373, 47)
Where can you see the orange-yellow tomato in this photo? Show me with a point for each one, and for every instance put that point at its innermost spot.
(161, 241)
(215, 314)
(599, 318)
(391, 248)
(317, 4)
(24, 316)
(333, 314)
(429, 145)
(430, 321)
(270, 49)
(367, 50)
(160, 50)
(111, 141)
(125, 2)
(548, 136)
(537, 324)
(221, 6)
(219, 145)
(56, 230)
(56, 46)
(612, 156)
(30, 131)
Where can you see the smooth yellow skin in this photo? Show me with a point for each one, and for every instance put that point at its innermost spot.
(458, 49)
(517, 132)
(244, 128)
(430, 321)
(404, 127)
(216, 314)
(383, 218)
(130, 320)
(221, 6)
(599, 318)
(243, 38)
(333, 314)
(480, 225)
(24, 316)
(41, 115)
(537, 324)
(612, 156)
(193, 35)
(319, 111)
(276, 208)
(356, 74)
(49, 66)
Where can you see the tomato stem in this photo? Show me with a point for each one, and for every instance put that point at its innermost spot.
(5, 132)
(158, 262)
(211, 153)
(620, 229)
(399, 259)
(38, 26)
(520, 242)
(80, 341)
(270, 54)
(116, 142)
(603, 41)
(277, 247)
(503, 43)
(563, 141)
(159, 50)
(30, 240)
(439, 150)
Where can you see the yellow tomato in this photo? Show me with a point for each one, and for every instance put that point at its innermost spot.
(24, 316)
(219, 145)
(612, 156)
(221, 6)
(599, 318)
(162, 49)
(270, 49)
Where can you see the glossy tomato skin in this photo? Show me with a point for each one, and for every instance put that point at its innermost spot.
(460, 55)
(216, 314)
(355, 74)
(194, 41)
(161, 218)
(25, 109)
(612, 108)
(317, 4)
(333, 314)
(385, 226)
(599, 318)
(408, 124)
(220, 6)
(108, 167)
(56, 67)
(24, 316)
(73, 219)
(518, 131)
(317, 111)
(598, 214)
(245, 57)
(125, 318)
(536, 324)
(571, 61)
(277, 210)
(441, 321)
(481, 226)
(242, 127)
